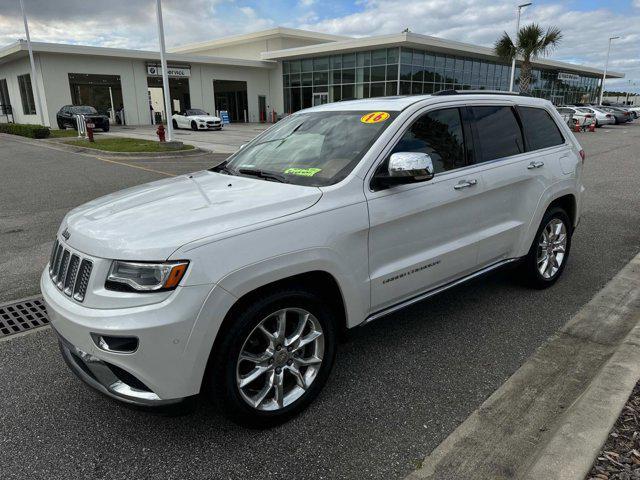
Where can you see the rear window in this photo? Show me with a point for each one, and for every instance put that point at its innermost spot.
(499, 133)
(540, 129)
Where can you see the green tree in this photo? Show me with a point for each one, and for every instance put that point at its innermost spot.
(532, 42)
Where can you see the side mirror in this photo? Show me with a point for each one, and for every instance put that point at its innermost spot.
(405, 167)
(415, 166)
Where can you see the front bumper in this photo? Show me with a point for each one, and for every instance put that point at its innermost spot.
(163, 369)
(107, 380)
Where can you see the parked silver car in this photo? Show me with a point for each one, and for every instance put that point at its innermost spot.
(602, 117)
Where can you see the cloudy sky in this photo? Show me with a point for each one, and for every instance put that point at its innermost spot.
(586, 24)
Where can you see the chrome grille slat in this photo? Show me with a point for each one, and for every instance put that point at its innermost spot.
(82, 282)
(52, 259)
(72, 273)
(56, 263)
(69, 272)
(62, 272)
(60, 264)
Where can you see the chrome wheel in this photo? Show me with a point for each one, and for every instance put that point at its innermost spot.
(552, 246)
(280, 359)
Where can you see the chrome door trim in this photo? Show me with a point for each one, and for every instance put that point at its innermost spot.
(435, 291)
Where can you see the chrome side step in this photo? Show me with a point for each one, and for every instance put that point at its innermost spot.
(435, 291)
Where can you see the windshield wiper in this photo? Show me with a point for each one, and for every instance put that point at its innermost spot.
(263, 174)
(222, 167)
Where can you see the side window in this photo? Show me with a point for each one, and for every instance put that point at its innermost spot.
(499, 133)
(439, 134)
(540, 129)
(26, 94)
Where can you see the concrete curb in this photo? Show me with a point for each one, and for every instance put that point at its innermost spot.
(552, 416)
(60, 142)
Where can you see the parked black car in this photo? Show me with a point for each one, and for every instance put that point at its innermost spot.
(66, 117)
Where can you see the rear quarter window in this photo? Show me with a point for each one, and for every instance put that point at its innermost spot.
(498, 131)
(539, 128)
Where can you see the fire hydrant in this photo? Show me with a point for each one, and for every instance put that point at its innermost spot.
(90, 132)
(160, 133)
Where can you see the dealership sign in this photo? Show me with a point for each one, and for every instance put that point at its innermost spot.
(568, 76)
(156, 71)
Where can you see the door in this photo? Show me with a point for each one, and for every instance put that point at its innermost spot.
(423, 235)
(517, 171)
(262, 107)
(320, 98)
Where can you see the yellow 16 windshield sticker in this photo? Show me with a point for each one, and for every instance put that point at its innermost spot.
(303, 172)
(374, 117)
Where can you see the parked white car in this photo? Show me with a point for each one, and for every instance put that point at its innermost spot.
(583, 119)
(236, 281)
(602, 117)
(196, 119)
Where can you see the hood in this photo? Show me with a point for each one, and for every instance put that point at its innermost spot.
(149, 222)
(205, 118)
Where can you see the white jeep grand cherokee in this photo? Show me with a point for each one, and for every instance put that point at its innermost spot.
(238, 280)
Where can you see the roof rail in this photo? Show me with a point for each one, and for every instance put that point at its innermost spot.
(481, 92)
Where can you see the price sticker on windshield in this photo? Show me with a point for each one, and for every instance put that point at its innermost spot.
(374, 117)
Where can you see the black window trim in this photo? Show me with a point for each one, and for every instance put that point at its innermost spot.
(524, 130)
(467, 138)
(478, 150)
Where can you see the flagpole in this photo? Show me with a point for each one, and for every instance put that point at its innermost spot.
(34, 79)
(165, 76)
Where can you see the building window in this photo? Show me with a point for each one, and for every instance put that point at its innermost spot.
(4, 94)
(409, 71)
(26, 94)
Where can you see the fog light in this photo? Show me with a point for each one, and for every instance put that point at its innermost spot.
(110, 343)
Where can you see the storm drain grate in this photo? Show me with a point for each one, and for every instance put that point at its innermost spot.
(22, 316)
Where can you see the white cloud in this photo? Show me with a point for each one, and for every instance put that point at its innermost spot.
(483, 21)
(131, 23)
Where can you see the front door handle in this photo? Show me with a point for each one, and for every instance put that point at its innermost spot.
(465, 184)
(533, 165)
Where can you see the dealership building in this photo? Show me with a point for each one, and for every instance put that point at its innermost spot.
(263, 75)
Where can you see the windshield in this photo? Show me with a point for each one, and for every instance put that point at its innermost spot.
(313, 148)
(196, 111)
(84, 110)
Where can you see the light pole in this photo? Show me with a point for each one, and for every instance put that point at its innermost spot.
(513, 61)
(34, 79)
(165, 75)
(606, 65)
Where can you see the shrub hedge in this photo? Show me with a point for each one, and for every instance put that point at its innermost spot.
(25, 130)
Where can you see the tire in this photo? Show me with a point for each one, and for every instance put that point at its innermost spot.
(226, 370)
(105, 129)
(60, 125)
(194, 126)
(530, 268)
(175, 124)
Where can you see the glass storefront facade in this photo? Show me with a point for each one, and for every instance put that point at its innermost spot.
(409, 71)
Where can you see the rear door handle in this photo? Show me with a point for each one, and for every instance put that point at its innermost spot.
(533, 165)
(465, 184)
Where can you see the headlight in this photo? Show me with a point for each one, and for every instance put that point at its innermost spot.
(145, 277)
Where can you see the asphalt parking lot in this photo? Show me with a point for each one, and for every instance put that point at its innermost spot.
(400, 385)
(227, 140)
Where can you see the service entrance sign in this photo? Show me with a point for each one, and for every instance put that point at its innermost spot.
(180, 72)
(568, 76)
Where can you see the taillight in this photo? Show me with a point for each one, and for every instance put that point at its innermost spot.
(587, 116)
(582, 155)
(608, 115)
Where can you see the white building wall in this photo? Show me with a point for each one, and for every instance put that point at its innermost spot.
(56, 91)
(57, 67)
(10, 72)
(251, 50)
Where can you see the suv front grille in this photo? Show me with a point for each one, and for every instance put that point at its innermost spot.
(69, 272)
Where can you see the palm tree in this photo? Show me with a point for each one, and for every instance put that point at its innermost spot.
(532, 42)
